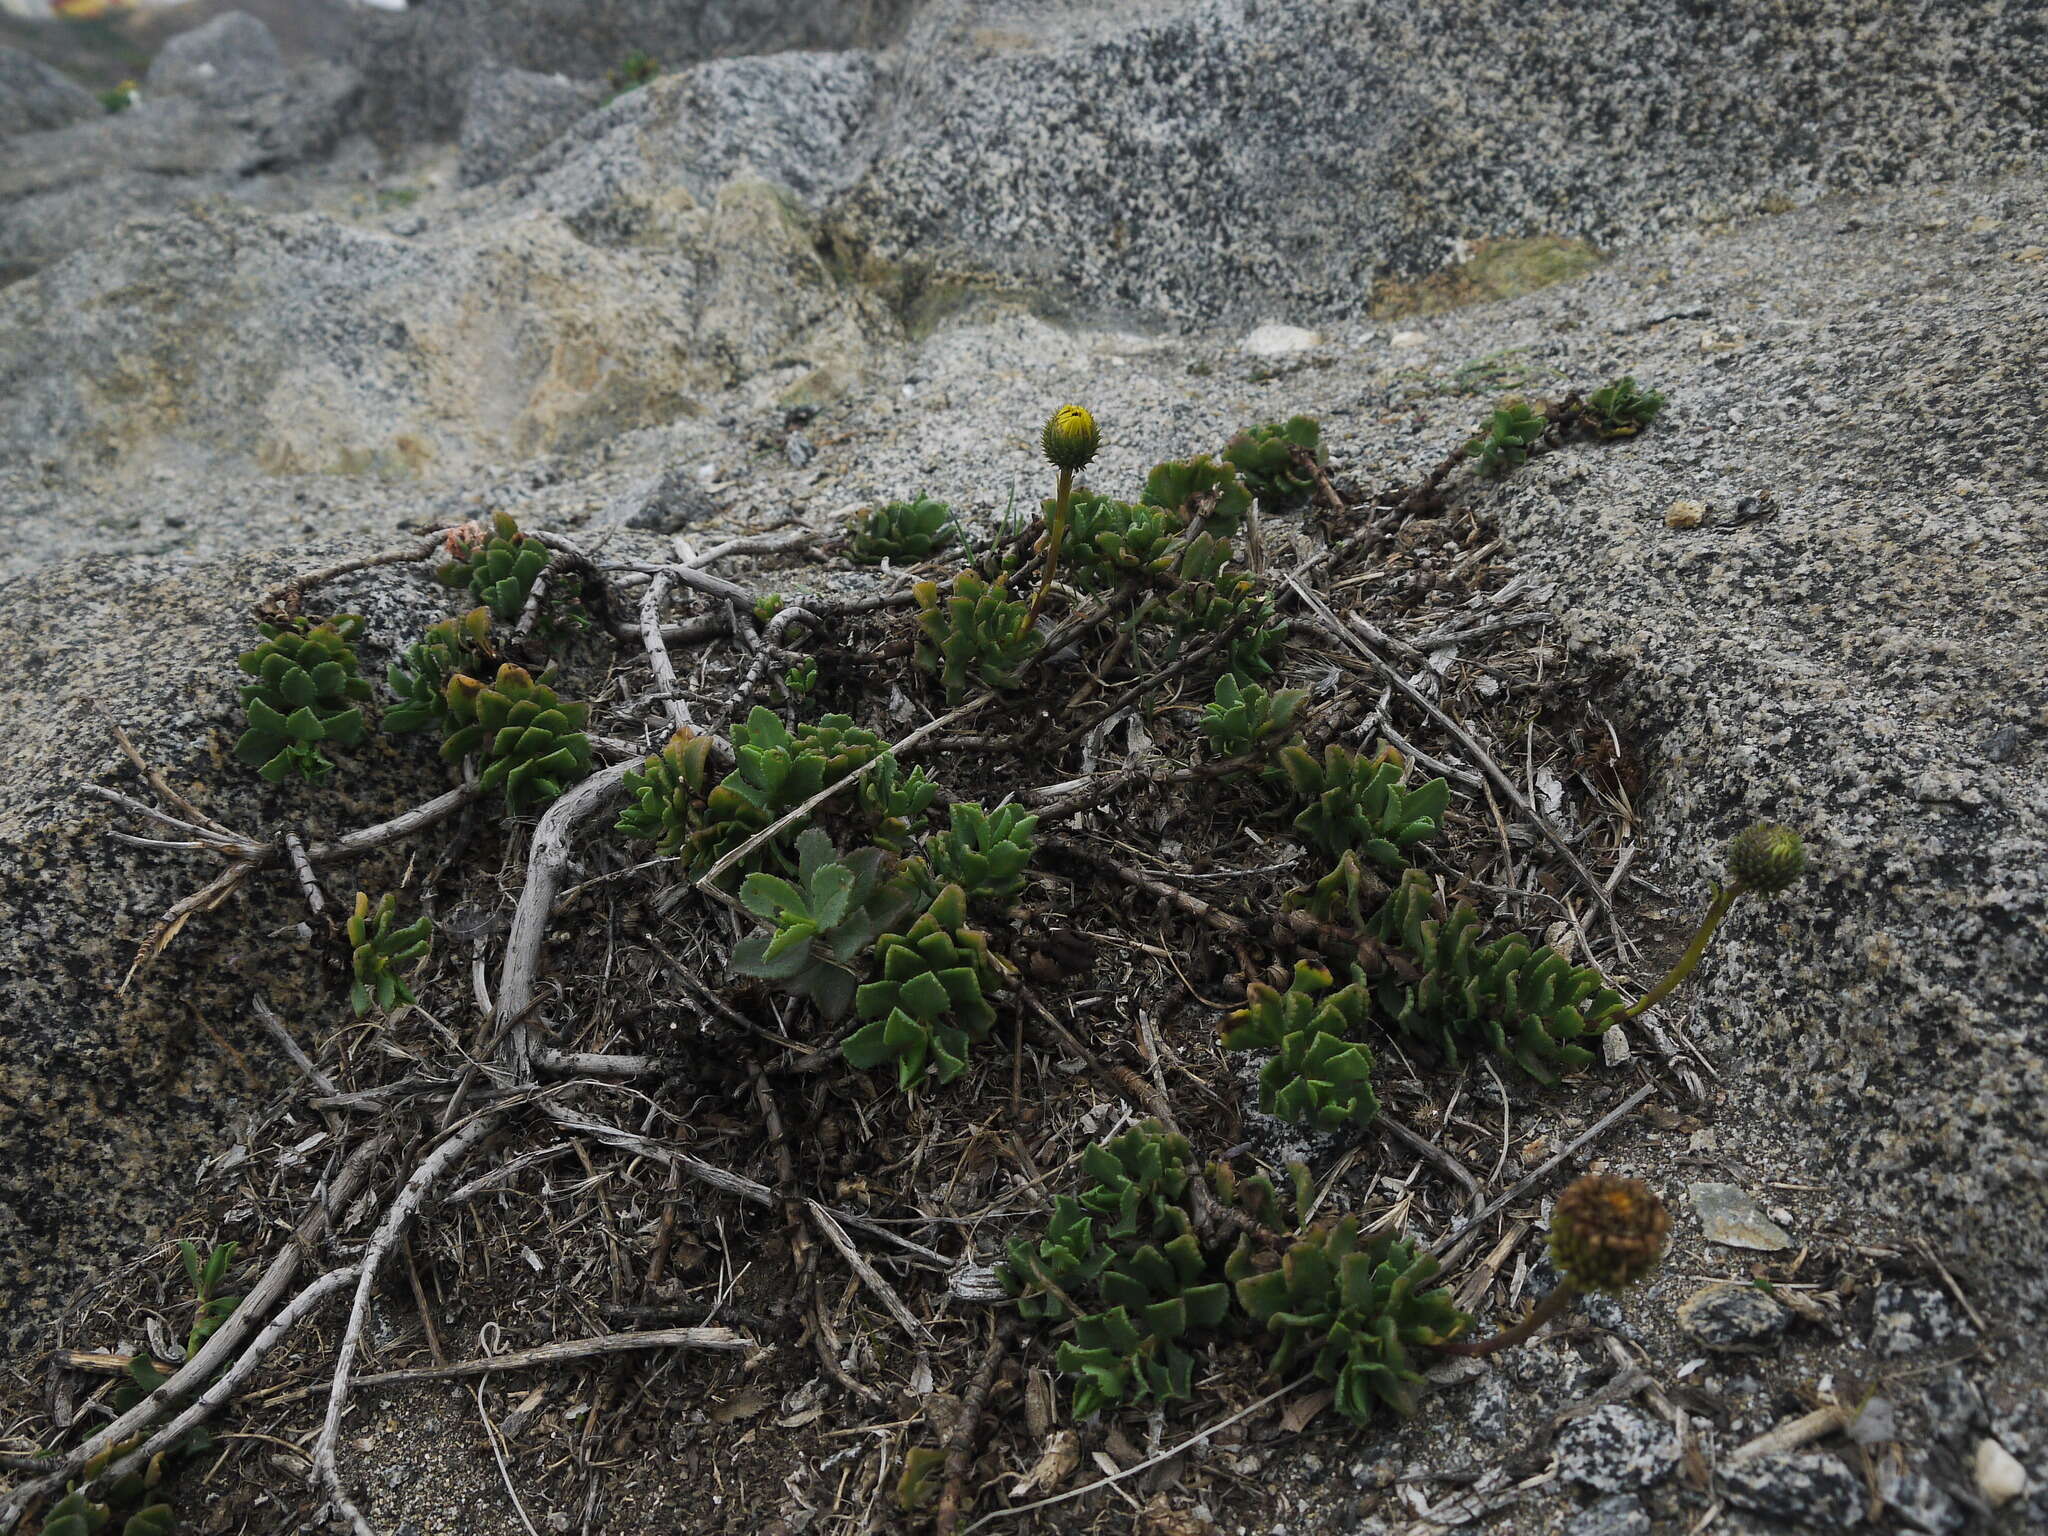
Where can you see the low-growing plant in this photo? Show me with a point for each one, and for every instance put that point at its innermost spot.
(531, 743)
(1353, 1310)
(893, 801)
(668, 795)
(823, 923)
(119, 98)
(76, 1515)
(378, 946)
(932, 997)
(450, 648)
(1274, 459)
(1525, 1002)
(631, 72)
(1213, 595)
(985, 853)
(975, 634)
(903, 532)
(1112, 540)
(499, 564)
(1359, 804)
(1244, 716)
(677, 805)
(1621, 409)
(1509, 434)
(1138, 1182)
(1207, 497)
(210, 1307)
(1320, 1074)
(1134, 1349)
(924, 1475)
(802, 678)
(1341, 898)
(307, 691)
(1042, 1274)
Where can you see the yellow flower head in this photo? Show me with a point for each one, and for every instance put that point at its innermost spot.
(1607, 1232)
(1766, 858)
(1070, 438)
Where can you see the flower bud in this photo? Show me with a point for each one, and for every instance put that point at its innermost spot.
(1070, 438)
(1766, 858)
(1607, 1232)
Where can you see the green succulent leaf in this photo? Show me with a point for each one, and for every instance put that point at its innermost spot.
(1509, 435)
(902, 532)
(833, 912)
(1504, 995)
(1355, 804)
(1621, 409)
(1244, 717)
(306, 691)
(974, 635)
(985, 853)
(378, 945)
(499, 565)
(1273, 460)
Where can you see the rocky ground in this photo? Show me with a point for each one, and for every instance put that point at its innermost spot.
(771, 287)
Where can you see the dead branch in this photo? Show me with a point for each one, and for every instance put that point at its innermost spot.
(215, 1354)
(326, 1474)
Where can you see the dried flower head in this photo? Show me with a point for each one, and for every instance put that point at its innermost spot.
(1766, 858)
(1607, 1232)
(1070, 438)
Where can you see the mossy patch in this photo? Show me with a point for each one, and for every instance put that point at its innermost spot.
(1496, 269)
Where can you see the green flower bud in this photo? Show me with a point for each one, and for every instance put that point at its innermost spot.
(1070, 438)
(1607, 1232)
(1766, 858)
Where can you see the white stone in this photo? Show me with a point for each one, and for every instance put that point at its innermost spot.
(2000, 1478)
(1280, 341)
(1407, 339)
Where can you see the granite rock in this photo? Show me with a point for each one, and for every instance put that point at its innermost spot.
(114, 1097)
(228, 60)
(1619, 1514)
(1813, 1492)
(1909, 1318)
(1152, 159)
(1920, 1502)
(513, 112)
(419, 61)
(1740, 1318)
(34, 97)
(1615, 1448)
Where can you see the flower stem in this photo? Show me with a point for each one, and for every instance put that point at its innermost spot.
(1546, 1309)
(1724, 898)
(1056, 532)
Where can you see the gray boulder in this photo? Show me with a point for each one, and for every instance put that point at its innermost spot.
(115, 1096)
(1201, 160)
(35, 97)
(513, 112)
(229, 59)
(62, 188)
(419, 61)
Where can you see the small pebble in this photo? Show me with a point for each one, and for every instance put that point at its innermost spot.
(1733, 1318)
(1685, 514)
(2000, 1478)
(1727, 1215)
